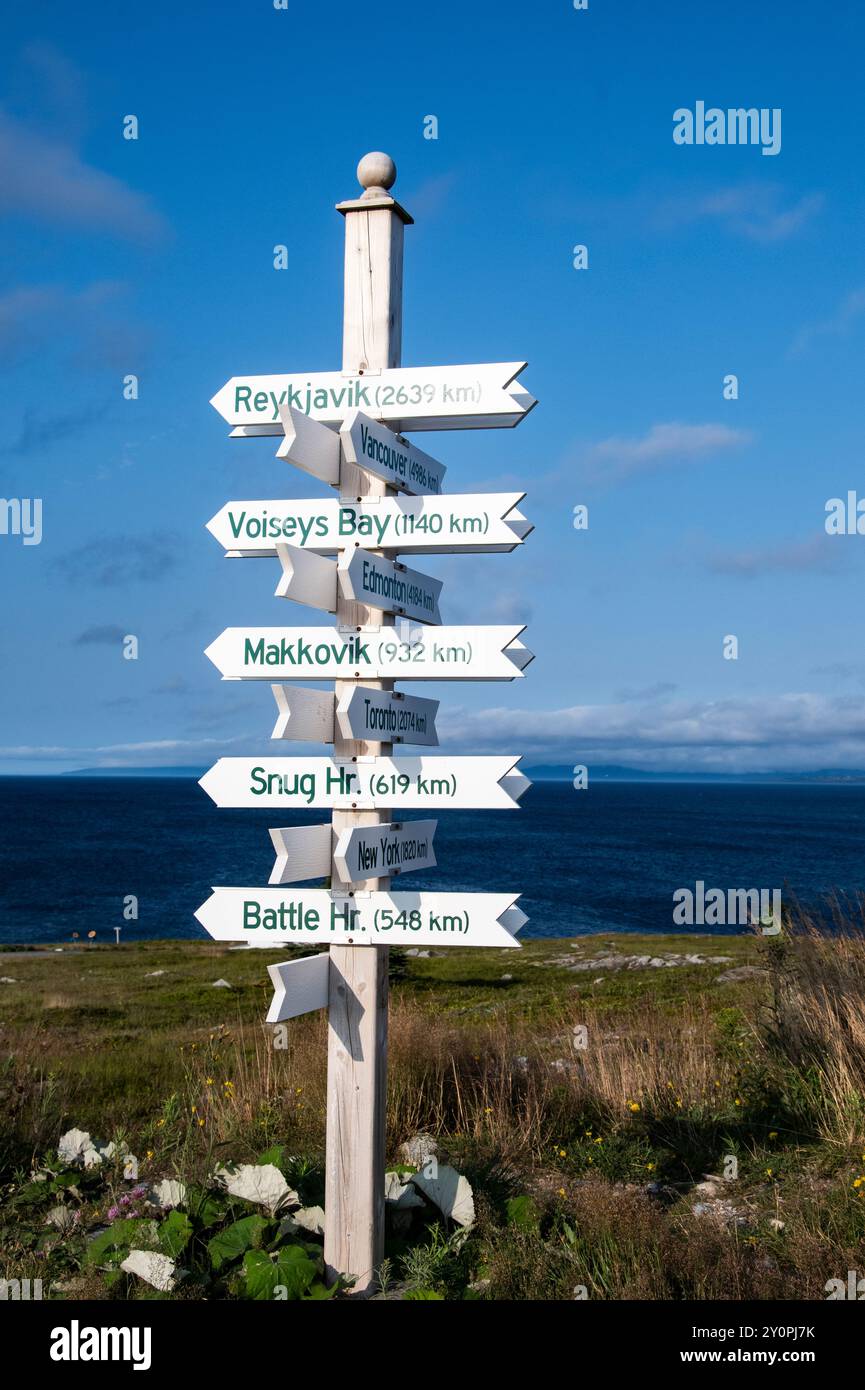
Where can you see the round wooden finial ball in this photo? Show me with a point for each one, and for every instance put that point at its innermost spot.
(376, 170)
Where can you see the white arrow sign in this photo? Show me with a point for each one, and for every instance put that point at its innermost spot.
(461, 523)
(373, 851)
(307, 578)
(378, 716)
(480, 396)
(386, 716)
(386, 584)
(413, 783)
(309, 445)
(377, 449)
(276, 917)
(302, 852)
(326, 653)
(300, 986)
(304, 714)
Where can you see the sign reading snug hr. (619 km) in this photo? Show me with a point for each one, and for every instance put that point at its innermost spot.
(345, 430)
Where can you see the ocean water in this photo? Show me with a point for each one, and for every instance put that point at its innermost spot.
(606, 859)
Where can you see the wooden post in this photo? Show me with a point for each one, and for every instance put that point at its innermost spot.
(358, 989)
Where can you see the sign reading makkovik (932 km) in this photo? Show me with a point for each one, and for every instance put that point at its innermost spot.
(377, 449)
(286, 917)
(457, 523)
(480, 396)
(486, 782)
(492, 653)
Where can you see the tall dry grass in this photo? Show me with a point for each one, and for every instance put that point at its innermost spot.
(815, 1023)
(519, 1090)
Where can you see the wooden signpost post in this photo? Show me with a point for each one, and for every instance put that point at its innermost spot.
(345, 429)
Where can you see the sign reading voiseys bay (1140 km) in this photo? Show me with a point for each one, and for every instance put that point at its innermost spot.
(280, 917)
(459, 523)
(324, 653)
(479, 396)
(414, 783)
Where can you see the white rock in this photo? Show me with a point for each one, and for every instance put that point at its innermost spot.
(167, 1194)
(151, 974)
(776, 1224)
(7, 980)
(221, 984)
(450, 1192)
(152, 1267)
(418, 1150)
(399, 1193)
(259, 1182)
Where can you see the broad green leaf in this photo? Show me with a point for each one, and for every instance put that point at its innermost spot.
(422, 1295)
(274, 1155)
(174, 1233)
(288, 1277)
(319, 1291)
(122, 1236)
(246, 1234)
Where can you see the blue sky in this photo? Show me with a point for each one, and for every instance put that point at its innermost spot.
(155, 257)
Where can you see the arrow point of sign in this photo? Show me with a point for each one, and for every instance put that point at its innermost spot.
(519, 655)
(513, 919)
(303, 852)
(309, 445)
(300, 986)
(514, 782)
(305, 715)
(206, 783)
(306, 577)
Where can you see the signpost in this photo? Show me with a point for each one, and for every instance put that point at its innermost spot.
(411, 783)
(268, 917)
(481, 396)
(388, 585)
(472, 523)
(397, 848)
(344, 428)
(364, 712)
(325, 653)
(389, 456)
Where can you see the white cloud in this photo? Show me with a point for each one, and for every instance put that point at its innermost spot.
(753, 210)
(851, 307)
(819, 554)
(661, 446)
(800, 731)
(44, 176)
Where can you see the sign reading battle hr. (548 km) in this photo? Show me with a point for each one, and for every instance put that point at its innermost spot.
(346, 429)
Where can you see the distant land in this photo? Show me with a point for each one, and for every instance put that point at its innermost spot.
(553, 772)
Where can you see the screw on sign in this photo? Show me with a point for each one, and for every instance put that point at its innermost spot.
(346, 430)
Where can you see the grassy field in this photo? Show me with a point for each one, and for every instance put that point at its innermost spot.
(634, 1124)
